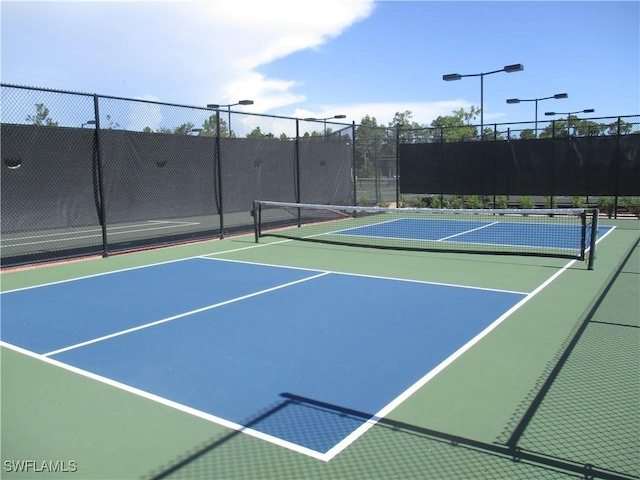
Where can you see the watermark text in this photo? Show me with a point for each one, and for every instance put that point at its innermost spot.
(40, 466)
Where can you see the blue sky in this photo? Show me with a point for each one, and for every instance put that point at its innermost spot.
(320, 58)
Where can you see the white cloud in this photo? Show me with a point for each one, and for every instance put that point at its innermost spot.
(268, 93)
(278, 28)
(260, 32)
(191, 52)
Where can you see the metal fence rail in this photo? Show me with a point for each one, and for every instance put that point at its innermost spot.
(86, 174)
(93, 174)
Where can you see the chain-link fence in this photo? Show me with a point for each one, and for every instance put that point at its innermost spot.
(593, 163)
(90, 174)
(376, 165)
(571, 126)
(86, 174)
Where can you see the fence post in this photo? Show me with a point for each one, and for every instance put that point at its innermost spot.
(440, 167)
(376, 167)
(296, 159)
(218, 166)
(617, 182)
(98, 142)
(354, 176)
(398, 166)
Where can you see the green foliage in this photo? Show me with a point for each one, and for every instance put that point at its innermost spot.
(550, 202)
(438, 202)
(457, 126)
(456, 202)
(256, 133)
(578, 202)
(490, 133)
(502, 202)
(574, 126)
(364, 201)
(612, 129)
(209, 127)
(41, 118)
(526, 202)
(474, 201)
(632, 204)
(366, 171)
(607, 205)
(184, 129)
(421, 202)
(527, 133)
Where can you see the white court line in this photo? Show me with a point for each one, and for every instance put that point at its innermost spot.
(339, 232)
(181, 315)
(170, 403)
(277, 441)
(144, 266)
(94, 235)
(99, 230)
(339, 447)
(379, 277)
(467, 231)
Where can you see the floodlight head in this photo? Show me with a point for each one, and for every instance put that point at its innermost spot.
(451, 76)
(588, 110)
(513, 100)
(514, 68)
(213, 105)
(245, 102)
(550, 113)
(310, 119)
(339, 116)
(557, 96)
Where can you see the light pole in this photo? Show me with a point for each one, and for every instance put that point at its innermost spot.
(241, 102)
(568, 114)
(88, 122)
(517, 67)
(557, 96)
(324, 121)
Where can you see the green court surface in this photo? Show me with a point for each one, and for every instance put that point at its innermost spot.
(553, 391)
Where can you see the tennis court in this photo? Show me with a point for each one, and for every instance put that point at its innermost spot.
(293, 359)
(64, 239)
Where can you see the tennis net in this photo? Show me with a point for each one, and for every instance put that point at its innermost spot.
(564, 233)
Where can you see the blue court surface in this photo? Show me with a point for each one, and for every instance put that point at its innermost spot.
(546, 235)
(233, 342)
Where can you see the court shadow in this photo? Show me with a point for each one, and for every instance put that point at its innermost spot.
(390, 449)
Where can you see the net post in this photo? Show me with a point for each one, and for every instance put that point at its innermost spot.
(256, 221)
(594, 237)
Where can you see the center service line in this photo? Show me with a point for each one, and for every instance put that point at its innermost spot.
(181, 315)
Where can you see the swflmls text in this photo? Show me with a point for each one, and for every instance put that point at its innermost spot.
(41, 466)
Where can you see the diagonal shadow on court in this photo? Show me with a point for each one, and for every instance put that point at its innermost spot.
(390, 448)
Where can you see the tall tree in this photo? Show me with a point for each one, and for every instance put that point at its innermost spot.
(369, 138)
(527, 133)
(184, 129)
(257, 133)
(612, 129)
(409, 130)
(209, 127)
(456, 127)
(41, 118)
